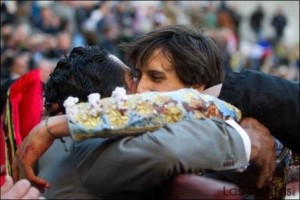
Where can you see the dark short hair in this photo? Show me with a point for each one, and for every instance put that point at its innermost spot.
(86, 70)
(196, 56)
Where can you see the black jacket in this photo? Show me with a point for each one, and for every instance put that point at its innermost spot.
(271, 100)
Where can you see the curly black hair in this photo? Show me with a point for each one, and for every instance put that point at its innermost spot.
(86, 70)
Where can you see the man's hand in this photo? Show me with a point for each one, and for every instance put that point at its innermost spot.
(34, 145)
(262, 149)
(30, 150)
(20, 190)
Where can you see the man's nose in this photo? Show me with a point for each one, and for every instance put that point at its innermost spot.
(141, 89)
(142, 86)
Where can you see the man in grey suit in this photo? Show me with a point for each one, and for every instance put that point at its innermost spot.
(137, 166)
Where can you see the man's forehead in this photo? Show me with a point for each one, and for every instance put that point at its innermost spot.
(156, 66)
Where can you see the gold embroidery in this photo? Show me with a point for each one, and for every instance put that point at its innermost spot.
(144, 108)
(84, 118)
(117, 119)
(147, 112)
(171, 113)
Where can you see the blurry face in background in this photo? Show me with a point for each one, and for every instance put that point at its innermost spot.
(158, 75)
(21, 33)
(64, 41)
(7, 32)
(46, 67)
(46, 14)
(20, 65)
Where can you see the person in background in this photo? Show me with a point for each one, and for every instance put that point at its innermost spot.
(279, 23)
(256, 20)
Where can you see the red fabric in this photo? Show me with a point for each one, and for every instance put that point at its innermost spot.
(2, 154)
(26, 98)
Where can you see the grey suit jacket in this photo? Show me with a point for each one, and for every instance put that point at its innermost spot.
(115, 168)
(58, 168)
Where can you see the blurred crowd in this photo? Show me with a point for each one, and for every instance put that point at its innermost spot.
(37, 33)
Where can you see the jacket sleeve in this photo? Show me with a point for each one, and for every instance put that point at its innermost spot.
(271, 100)
(148, 160)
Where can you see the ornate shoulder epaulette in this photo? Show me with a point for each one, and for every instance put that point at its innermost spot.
(123, 114)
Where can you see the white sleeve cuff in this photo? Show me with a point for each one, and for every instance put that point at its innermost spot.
(243, 134)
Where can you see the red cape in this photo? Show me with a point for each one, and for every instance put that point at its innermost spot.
(26, 99)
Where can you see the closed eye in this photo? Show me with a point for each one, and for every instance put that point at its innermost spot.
(156, 76)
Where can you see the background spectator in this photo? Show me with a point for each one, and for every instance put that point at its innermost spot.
(279, 23)
(256, 20)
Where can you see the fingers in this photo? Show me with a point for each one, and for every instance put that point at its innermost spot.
(35, 180)
(28, 172)
(15, 171)
(266, 173)
(40, 184)
(40, 188)
(17, 191)
(272, 164)
(7, 185)
(32, 193)
(267, 165)
(264, 176)
(262, 149)
(21, 190)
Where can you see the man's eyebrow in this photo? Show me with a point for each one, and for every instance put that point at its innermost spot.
(157, 72)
